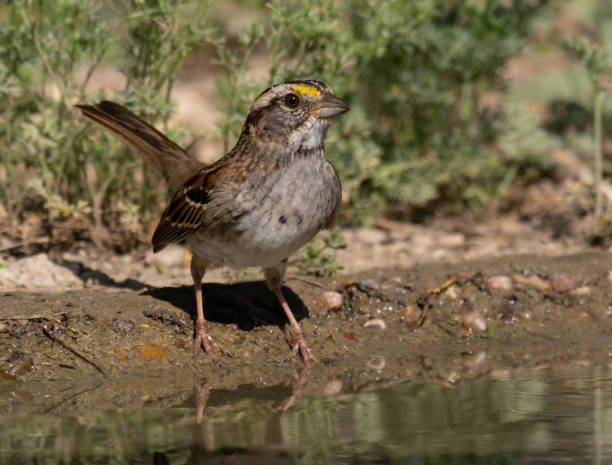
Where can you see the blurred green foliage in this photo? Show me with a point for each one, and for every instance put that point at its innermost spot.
(596, 61)
(48, 54)
(318, 258)
(418, 137)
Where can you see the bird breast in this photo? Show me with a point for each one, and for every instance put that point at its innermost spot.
(273, 216)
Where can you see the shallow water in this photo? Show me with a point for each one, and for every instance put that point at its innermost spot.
(546, 417)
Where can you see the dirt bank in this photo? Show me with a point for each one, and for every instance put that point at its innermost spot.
(130, 346)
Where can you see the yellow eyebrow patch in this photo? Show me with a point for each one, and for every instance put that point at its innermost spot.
(306, 89)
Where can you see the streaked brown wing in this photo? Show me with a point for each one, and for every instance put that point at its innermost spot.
(188, 210)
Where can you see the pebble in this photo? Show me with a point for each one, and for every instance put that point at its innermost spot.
(376, 363)
(472, 360)
(332, 387)
(411, 314)
(369, 283)
(501, 283)
(562, 283)
(376, 322)
(584, 290)
(124, 326)
(474, 321)
(453, 292)
(527, 315)
(332, 301)
(452, 377)
(36, 272)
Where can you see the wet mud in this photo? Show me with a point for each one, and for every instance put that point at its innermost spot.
(131, 347)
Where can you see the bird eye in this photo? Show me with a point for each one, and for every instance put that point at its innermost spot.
(292, 100)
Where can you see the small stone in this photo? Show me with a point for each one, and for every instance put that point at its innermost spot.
(411, 314)
(562, 283)
(453, 292)
(332, 301)
(332, 387)
(376, 363)
(375, 322)
(452, 377)
(472, 360)
(500, 282)
(38, 271)
(527, 315)
(583, 290)
(610, 276)
(124, 326)
(475, 322)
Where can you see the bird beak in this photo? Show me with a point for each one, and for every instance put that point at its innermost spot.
(330, 107)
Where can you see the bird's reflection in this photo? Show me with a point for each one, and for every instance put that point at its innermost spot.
(273, 453)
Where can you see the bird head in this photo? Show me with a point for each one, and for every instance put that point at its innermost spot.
(296, 113)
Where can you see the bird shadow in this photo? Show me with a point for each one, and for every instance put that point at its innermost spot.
(246, 304)
(86, 273)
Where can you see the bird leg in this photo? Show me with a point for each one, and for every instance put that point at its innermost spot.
(202, 338)
(297, 341)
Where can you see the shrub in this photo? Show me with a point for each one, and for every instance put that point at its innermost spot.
(414, 72)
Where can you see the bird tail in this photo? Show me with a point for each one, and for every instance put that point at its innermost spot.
(175, 165)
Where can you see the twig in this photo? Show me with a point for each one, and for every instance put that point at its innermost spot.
(296, 278)
(50, 335)
(545, 336)
(442, 287)
(597, 170)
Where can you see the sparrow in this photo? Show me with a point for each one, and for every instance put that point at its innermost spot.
(254, 207)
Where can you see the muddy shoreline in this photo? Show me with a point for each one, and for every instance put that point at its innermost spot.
(120, 347)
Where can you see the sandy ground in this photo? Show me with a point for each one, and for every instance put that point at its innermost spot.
(129, 344)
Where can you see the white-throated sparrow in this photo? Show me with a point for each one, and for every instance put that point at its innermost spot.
(255, 206)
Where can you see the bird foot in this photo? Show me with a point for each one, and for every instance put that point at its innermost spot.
(205, 341)
(298, 343)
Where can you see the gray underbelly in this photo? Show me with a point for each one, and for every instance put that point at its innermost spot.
(271, 227)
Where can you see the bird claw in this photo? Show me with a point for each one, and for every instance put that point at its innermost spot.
(205, 341)
(298, 344)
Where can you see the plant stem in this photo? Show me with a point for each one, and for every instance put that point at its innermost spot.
(600, 97)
